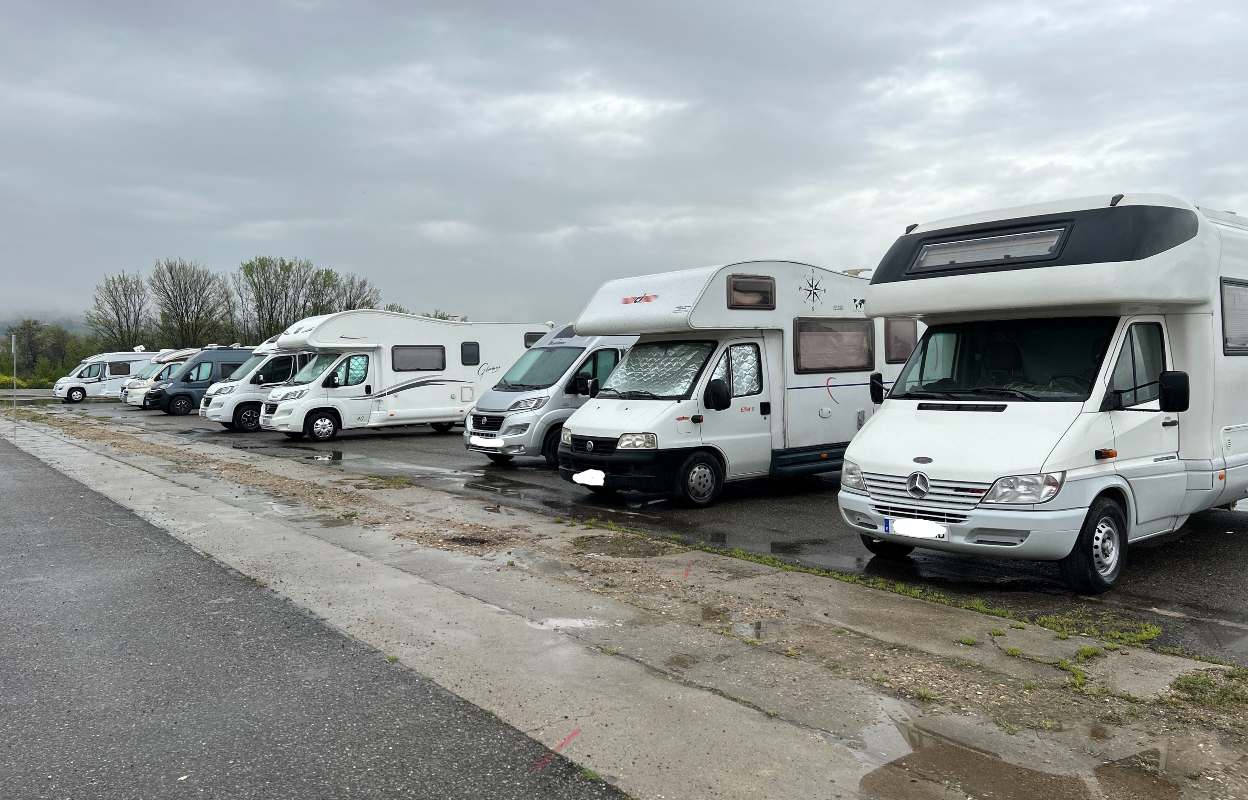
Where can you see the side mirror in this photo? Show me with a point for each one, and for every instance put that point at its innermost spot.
(717, 397)
(332, 381)
(580, 385)
(591, 387)
(1174, 391)
(877, 388)
(259, 379)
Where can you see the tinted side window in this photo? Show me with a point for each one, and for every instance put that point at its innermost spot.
(533, 338)
(119, 368)
(1140, 365)
(834, 345)
(470, 353)
(278, 369)
(604, 363)
(900, 336)
(228, 369)
(418, 357)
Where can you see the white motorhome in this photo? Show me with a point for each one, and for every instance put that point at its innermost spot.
(380, 368)
(740, 371)
(166, 362)
(1045, 413)
(101, 375)
(524, 412)
(236, 402)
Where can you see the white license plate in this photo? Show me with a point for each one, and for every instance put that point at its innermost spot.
(916, 529)
(481, 441)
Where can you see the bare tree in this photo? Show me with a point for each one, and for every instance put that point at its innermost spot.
(121, 312)
(399, 307)
(438, 313)
(192, 303)
(356, 292)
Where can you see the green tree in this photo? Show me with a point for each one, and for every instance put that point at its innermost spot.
(27, 332)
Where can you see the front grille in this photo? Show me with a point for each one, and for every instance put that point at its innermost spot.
(486, 422)
(270, 408)
(602, 444)
(946, 501)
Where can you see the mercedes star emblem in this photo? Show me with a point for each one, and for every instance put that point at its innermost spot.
(918, 485)
(589, 445)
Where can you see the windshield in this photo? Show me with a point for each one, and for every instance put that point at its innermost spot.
(246, 367)
(168, 370)
(313, 369)
(1052, 360)
(658, 370)
(150, 370)
(538, 368)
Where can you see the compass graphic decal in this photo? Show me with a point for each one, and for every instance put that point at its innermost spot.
(812, 290)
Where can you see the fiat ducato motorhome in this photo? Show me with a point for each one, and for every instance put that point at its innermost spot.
(1045, 414)
(739, 371)
(167, 362)
(524, 412)
(181, 392)
(101, 375)
(236, 400)
(375, 369)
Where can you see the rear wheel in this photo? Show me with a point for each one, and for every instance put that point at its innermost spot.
(76, 395)
(699, 480)
(499, 458)
(442, 427)
(321, 426)
(180, 406)
(883, 549)
(1096, 561)
(550, 446)
(247, 417)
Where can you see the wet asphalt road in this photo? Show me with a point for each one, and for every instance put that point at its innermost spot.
(1195, 586)
(132, 667)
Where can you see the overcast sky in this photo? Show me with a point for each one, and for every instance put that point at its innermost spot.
(502, 159)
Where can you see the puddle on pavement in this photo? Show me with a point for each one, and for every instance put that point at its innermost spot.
(332, 455)
(793, 548)
(565, 623)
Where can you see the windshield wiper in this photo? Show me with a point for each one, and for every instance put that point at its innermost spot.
(638, 394)
(1019, 393)
(923, 394)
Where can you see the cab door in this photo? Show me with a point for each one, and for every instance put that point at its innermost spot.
(349, 388)
(1147, 439)
(742, 432)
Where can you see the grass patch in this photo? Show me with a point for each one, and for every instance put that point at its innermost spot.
(969, 641)
(385, 482)
(1078, 678)
(1228, 690)
(589, 775)
(1088, 652)
(925, 695)
(996, 632)
(1013, 652)
(1018, 626)
(391, 659)
(1107, 625)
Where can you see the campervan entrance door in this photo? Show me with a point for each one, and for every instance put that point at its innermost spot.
(742, 432)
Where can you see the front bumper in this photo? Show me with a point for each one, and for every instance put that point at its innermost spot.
(651, 471)
(279, 417)
(216, 409)
(60, 391)
(1035, 535)
(136, 397)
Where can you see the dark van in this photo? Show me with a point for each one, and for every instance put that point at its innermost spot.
(185, 388)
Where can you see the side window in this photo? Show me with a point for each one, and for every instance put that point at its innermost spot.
(937, 361)
(92, 371)
(533, 338)
(201, 372)
(1140, 363)
(352, 371)
(118, 368)
(834, 345)
(721, 370)
(900, 336)
(752, 292)
(228, 369)
(470, 353)
(1234, 317)
(604, 363)
(277, 370)
(747, 369)
(418, 357)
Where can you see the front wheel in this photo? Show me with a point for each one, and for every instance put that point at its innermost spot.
(247, 418)
(550, 446)
(76, 395)
(321, 426)
(883, 549)
(442, 427)
(1097, 558)
(180, 406)
(699, 480)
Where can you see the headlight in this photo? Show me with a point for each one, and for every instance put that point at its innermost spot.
(294, 394)
(1025, 488)
(637, 441)
(565, 436)
(528, 404)
(224, 390)
(851, 477)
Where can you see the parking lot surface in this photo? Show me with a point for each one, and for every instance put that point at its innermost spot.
(1191, 585)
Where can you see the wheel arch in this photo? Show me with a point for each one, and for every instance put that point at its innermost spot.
(331, 409)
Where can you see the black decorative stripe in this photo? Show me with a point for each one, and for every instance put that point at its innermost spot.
(414, 384)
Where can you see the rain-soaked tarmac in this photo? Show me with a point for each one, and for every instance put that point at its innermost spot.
(1191, 585)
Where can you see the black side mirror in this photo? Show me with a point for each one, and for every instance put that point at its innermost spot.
(580, 385)
(717, 397)
(332, 381)
(1174, 391)
(591, 387)
(258, 379)
(877, 388)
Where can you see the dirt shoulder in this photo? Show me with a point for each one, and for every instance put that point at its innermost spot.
(988, 704)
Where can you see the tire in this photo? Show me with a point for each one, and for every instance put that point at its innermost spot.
(550, 447)
(290, 435)
(321, 426)
(76, 395)
(499, 458)
(889, 550)
(247, 418)
(229, 426)
(442, 427)
(180, 406)
(1096, 561)
(699, 480)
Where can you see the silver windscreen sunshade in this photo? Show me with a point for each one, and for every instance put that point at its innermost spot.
(989, 249)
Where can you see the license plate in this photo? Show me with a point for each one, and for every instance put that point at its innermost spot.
(481, 441)
(916, 529)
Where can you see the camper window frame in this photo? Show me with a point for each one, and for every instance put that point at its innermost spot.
(438, 347)
(1227, 349)
(797, 345)
(892, 320)
(1066, 226)
(476, 354)
(740, 307)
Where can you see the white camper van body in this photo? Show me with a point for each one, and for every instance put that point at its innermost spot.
(789, 341)
(1053, 335)
(166, 362)
(524, 412)
(101, 375)
(380, 368)
(236, 402)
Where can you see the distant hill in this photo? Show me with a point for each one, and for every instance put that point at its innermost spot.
(72, 323)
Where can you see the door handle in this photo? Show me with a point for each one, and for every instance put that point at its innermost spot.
(368, 388)
(764, 409)
(1169, 423)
